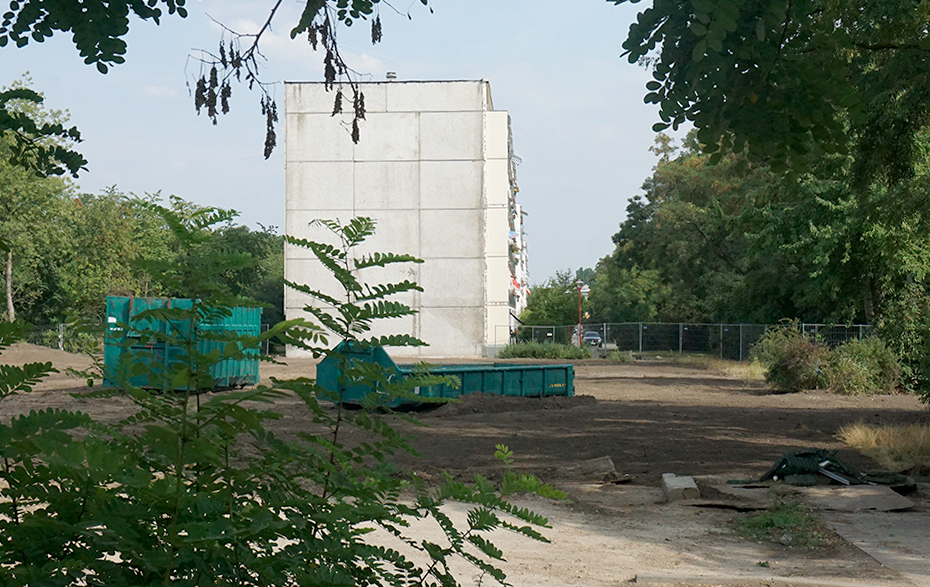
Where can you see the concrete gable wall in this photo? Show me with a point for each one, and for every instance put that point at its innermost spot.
(431, 168)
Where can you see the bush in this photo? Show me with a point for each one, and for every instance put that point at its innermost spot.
(863, 366)
(543, 350)
(792, 360)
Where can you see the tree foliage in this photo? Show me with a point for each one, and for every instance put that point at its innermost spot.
(554, 302)
(790, 81)
(98, 31)
(28, 194)
(69, 251)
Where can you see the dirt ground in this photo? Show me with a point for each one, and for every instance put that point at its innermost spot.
(650, 419)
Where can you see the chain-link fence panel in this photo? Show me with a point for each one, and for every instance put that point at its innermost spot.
(835, 335)
(554, 334)
(66, 337)
(725, 341)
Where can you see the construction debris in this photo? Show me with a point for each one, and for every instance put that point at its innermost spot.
(677, 488)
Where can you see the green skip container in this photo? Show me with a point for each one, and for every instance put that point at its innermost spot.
(228, 373)
(490, 378)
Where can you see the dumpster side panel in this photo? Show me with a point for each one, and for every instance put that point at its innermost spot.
(125, 347)
(496, 379)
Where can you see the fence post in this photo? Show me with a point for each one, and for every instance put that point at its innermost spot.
(721, 341)
(61, 337)
(640, 338)
(680, 336)
(740, 342)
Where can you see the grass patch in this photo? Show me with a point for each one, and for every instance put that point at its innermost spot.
(898, 448)
(747, 370)
(786, 522)
(618, 356)
(543, 350)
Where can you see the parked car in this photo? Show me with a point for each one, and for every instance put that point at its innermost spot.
(592, 338)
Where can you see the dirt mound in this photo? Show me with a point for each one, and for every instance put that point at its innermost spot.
(484, 403)
(23, 352)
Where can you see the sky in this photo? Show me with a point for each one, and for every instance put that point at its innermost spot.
(579, 122)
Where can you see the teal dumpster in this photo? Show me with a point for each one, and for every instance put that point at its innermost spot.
(490, 378)
(124, 345)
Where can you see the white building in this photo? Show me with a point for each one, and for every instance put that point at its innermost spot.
(435, 167)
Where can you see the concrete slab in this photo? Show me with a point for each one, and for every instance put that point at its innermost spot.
(854, 498)
(756, 497)
(897, 540)
(720, 580)
(590, 470)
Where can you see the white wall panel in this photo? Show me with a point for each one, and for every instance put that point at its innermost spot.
(448, 136)
(497, 176)
(387, 185)
(498, 276)
(497, 135)
(328, 185)
(317, 137)
(434, 96)
(451, 233)
(453, 331)
(498, 230)
(389, 137)
(450, 185)
(452, 282)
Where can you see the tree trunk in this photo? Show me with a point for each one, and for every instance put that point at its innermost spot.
(10, 310)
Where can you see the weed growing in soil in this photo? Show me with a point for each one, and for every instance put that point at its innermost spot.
(747, 371)
(786, 522)
(898, 448)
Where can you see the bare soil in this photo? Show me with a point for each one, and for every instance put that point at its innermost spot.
(650, 418)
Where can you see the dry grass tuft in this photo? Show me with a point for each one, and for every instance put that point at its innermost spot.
(899, 448)
(747, 371)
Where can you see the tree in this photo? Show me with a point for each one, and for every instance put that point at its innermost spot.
(790, 81)
(553, 303)
(107, 236)
(733, 241)
(27, 194)
(264, 280)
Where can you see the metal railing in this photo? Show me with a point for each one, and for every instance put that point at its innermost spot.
(726, 341)
(66, 337)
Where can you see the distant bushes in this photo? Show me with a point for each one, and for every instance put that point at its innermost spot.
(543, 350)
(795, 361)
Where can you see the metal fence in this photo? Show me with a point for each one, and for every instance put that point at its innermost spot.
(727, 341)
(66, 337)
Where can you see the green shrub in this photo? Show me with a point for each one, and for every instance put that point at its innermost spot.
(863, 366)
(544, 350)
(792, 360)
(844, 374)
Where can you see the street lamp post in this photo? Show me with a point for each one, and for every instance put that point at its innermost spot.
(579, 284)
